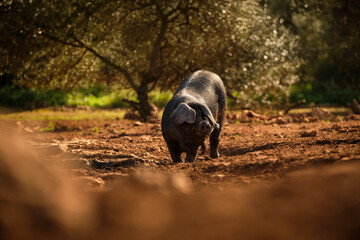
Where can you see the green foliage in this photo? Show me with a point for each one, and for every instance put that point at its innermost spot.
(95, 96)
(46, 114)
(329, 36)
(98, 96)
(337, 96)
(31, 98)
(264, 77)
(50, 127)
(160, 98)
(78, 43)
(260, 48)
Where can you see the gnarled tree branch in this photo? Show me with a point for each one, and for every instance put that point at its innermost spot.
(107, 61)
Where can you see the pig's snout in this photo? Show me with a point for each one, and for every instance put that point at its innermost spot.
(205, 126)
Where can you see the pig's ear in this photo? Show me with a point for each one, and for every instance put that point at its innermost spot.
(207, 113)
(183, 113)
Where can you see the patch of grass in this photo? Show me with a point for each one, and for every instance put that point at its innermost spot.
(236, 135)
(104, 98)
(160, 98)
(50, 127)
(334, 110)
(51, 115)
(98, 96)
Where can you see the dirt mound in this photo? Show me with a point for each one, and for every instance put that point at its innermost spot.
(38, 202)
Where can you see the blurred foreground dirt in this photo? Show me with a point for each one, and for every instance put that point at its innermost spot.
(275, 179)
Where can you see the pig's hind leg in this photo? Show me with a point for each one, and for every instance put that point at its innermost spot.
(215, 135)
(203, 148)
(214, 142)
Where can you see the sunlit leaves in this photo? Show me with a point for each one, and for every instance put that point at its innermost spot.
(156, 42)
(329, 36)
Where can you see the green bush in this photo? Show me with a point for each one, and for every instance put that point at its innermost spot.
(159, 98)
(330, 95)
(94, 96)
(31, 98)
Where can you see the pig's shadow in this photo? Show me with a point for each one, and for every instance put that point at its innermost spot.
(232, 151)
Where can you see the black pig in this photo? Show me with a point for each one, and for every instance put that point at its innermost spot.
(195, 112)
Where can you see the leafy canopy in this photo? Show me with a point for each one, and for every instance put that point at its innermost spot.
(148, 44)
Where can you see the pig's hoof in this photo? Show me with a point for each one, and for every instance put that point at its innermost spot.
(189, 159)
(214, 154)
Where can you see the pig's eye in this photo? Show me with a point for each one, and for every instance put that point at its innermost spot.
(205, 125)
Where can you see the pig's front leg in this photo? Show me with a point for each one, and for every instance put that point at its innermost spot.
(191, 154)
(175, 152)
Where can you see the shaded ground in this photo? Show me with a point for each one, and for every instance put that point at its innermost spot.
(263, 150)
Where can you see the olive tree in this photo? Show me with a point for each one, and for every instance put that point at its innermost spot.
(328, 36)
(143, 45)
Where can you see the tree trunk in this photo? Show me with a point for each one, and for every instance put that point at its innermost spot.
(143, 97)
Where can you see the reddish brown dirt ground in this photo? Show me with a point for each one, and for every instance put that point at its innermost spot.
(261, 151)
(278, 177)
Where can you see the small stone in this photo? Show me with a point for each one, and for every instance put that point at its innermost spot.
(127, 138)
(156, 127)
(229, 116)
(336, 127)
(312, 133)
(146, 138)
(322, 114)
(111, 131)
(279, 135)
(280, 121)
(137, 123)
(28, 130)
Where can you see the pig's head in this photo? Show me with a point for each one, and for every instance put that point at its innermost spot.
(194, 124)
